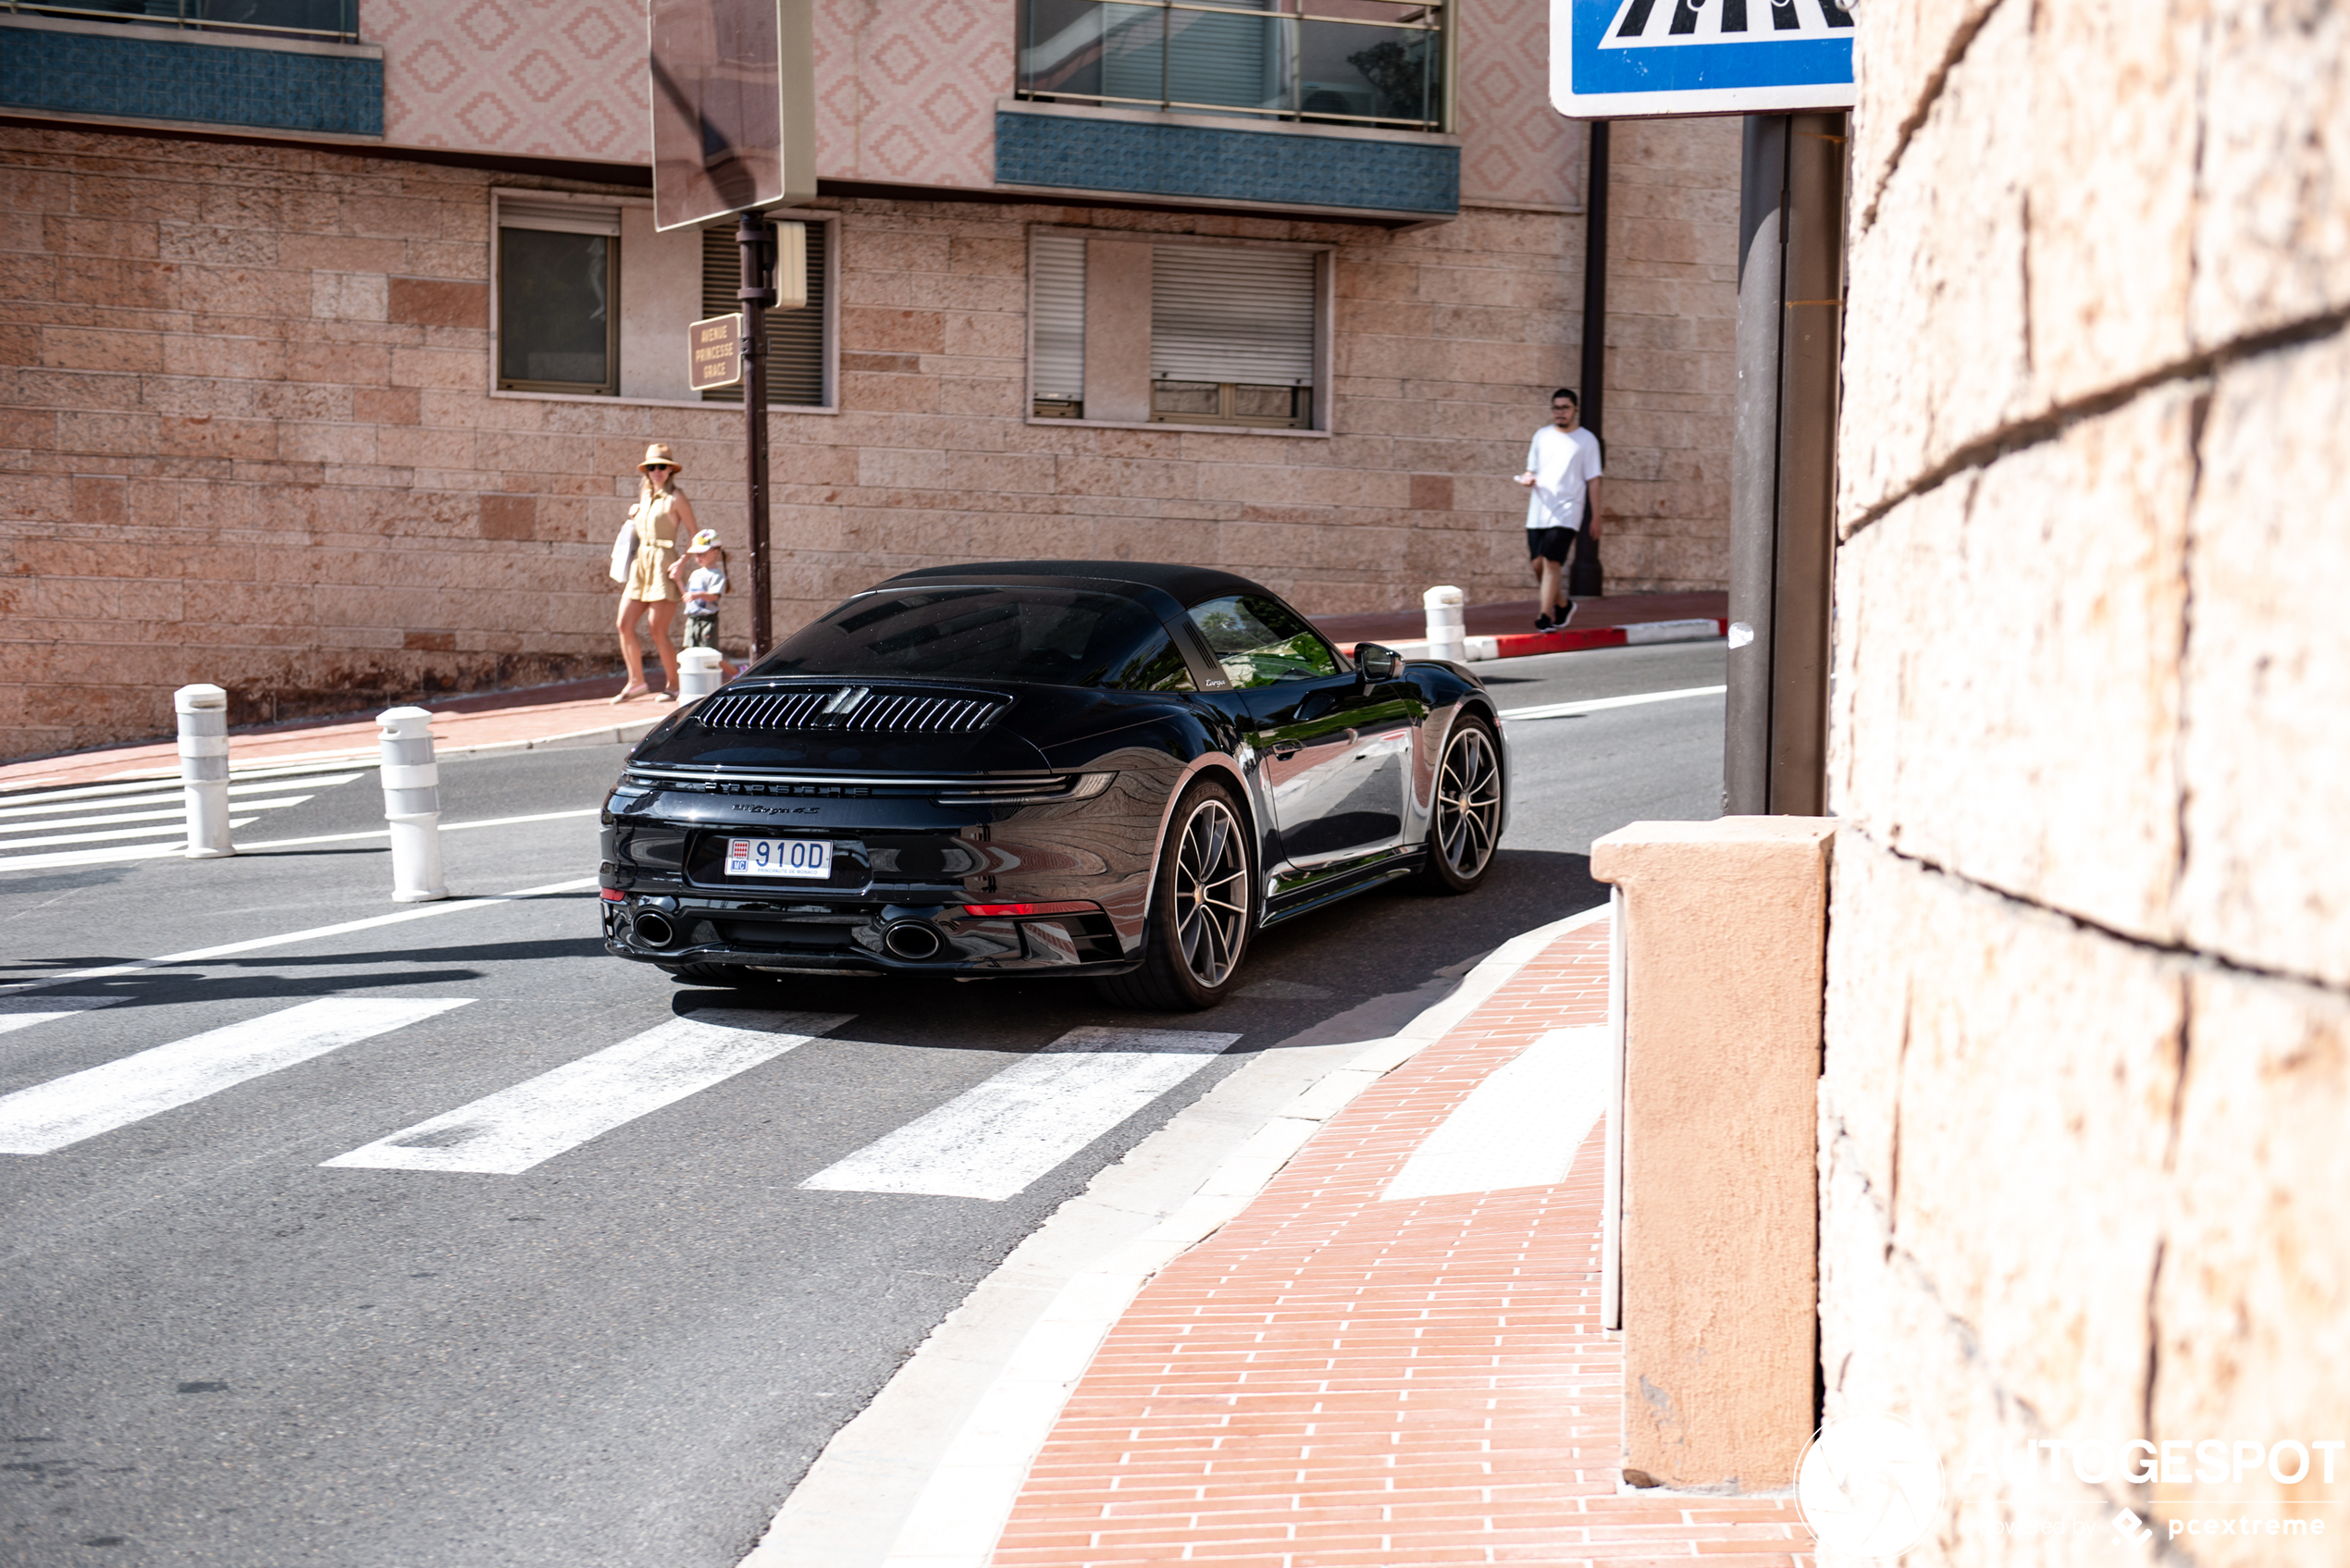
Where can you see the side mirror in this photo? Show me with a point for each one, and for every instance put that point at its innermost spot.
(1378, 662)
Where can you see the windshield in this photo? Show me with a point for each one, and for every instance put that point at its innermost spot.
(1055, 636)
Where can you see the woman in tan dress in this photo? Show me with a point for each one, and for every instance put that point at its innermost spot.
(663, 517)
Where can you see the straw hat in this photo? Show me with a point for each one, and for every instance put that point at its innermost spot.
(658, 452)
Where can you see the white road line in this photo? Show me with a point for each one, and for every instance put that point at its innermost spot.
(177, 811)
(69, 799)
(316, 933)
(100, 1099)
(148, 852)
(1595, 704)
(508, 1133)
(1521, 1127)
(169, 830)
(269, 778)
(993, 1140)
(17, 1012)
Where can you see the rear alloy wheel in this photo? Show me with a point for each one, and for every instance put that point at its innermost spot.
(1465, 827)
(1202, 909)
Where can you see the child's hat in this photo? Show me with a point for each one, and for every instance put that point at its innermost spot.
(706, 539)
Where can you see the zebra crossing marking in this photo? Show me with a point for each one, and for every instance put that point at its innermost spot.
(66, 1110)
(508, 1133)
(18, 1012)
(997, 1138)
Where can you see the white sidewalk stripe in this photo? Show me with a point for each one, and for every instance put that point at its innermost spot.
(1596, 704)
(1521, 1127)
(316, 933)
(508, 1133)
(53, 801)
(16, 1012)
(176, 812)
(100, 1099)
(170, 830)
(993, 1140)
(142, 852)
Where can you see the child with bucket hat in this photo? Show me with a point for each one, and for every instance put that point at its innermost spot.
(649, 587)
(708, 558)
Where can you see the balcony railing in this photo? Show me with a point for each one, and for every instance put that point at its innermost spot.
(325, 21)
(1370, 63)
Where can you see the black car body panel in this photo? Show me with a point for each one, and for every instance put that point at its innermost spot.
(1017, 821)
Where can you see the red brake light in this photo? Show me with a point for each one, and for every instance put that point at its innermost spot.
(613, 895)
(1001, 911)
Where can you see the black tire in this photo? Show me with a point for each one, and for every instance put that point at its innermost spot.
(1193, 944)
(1465, 820)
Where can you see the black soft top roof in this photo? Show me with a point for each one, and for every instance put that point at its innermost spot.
(1187, 585)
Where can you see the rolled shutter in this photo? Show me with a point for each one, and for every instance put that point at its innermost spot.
(560, 217)
(1232, 314)
(795, 337)
(1059, 261)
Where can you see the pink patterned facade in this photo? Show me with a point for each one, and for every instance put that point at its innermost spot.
(906, 93)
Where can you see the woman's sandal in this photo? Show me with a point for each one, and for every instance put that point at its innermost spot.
(628, 692)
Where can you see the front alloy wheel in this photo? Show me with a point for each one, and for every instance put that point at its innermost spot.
(1200, 909)
(1466, 825)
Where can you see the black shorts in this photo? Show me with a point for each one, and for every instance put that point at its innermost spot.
(1550, 544)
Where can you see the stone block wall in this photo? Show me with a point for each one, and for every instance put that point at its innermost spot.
(246, 434)
(2089, 1020)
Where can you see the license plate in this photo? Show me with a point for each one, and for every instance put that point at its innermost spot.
(809, 857)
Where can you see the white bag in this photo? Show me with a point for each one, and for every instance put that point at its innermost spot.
(624, 548)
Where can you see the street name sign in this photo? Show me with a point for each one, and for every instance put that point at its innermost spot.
(1632, 59)
(733, 107)
(715, 348)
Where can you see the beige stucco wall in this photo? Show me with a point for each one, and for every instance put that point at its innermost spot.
(2088, 1027)
(247, 434)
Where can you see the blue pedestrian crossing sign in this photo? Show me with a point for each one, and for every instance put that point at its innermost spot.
(1624, 59)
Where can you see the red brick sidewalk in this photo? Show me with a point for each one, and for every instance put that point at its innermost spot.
(1331, 1379)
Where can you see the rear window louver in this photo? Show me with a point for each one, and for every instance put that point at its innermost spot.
(857, 709)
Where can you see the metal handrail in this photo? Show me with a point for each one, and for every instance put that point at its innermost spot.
(181, 19)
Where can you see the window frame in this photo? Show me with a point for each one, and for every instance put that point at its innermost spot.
(828, 221)
(614, 302)
(1447, 61)
(1325, 321)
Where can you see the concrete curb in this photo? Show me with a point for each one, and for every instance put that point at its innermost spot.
(1522, 644)
(602, 735)
(908, 1484)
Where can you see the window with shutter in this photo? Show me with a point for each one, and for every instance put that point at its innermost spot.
(794, 368)
(1058, 292)
(558, 297)
(1232, 335)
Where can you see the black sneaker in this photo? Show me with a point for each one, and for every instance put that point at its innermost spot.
(1560, 624)
(1542, 623)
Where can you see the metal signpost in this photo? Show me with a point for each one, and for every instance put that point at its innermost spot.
(733, 132)
(1786, 65)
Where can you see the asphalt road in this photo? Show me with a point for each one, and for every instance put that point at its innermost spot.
(215, 1349)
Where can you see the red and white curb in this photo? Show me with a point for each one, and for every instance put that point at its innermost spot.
(1521, 645)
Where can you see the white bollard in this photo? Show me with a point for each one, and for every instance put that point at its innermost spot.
(1447, 624)
(697, 672)
(412, 805)
(204, 769)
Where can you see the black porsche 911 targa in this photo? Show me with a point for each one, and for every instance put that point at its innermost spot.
(1090, 768)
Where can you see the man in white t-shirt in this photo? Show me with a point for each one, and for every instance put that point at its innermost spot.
(1563, 469)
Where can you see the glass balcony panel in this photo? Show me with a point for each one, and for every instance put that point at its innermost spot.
(1062, 50)
(1368, 75)
(1134, 54)
(1225, 57)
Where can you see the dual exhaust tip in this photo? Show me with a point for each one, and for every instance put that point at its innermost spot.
(914, 941)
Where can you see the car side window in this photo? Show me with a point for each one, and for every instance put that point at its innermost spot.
(1261, 642)
(1155, 667)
